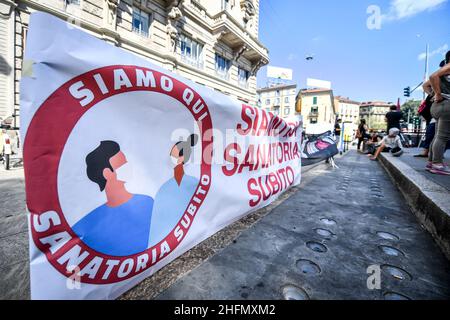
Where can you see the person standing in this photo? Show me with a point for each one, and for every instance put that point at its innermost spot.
(393, 118)
(439, 84)
(425, 112)
(361, 134)
(337, 128)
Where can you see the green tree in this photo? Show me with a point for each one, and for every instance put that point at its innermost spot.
(411, 106)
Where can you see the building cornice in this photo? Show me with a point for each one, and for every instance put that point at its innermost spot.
(222, 23)
(165, 58)
(10, 6)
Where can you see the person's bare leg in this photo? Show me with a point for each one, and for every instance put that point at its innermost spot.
(377, 153)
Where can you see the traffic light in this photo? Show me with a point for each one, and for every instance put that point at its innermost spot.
(407, 92)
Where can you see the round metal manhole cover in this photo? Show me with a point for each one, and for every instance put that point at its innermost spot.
(291, 292)
(328, 222)
(396, 273)
(395, 296)
(323, 232)
(391, 251)
(307, 266)
(387, 235)
(316, 246)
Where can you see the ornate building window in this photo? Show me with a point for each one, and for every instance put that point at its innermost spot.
(191, 51)
(227, 4)
(287, 111)
(141, 22)
(222, 67)
(243, 76)
(75, 2)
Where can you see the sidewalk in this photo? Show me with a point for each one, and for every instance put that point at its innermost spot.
(427, 194)
(319, 243)
(14, 260)
(418, 164)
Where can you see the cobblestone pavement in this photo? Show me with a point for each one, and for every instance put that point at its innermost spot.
(319, 243)
(14, 269)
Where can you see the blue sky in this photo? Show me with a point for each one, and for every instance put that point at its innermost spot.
(363, 64)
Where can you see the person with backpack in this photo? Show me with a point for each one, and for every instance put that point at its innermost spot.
(425, 112)
(439, 86)
(361, 133)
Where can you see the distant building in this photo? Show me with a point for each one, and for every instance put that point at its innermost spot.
(348, 112)
(374, 113)
(279, 99)
(317, 106)
(214, 43)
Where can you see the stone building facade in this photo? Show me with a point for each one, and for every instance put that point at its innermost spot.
(317, 106)
(214, 43)
(348, 112)
(279, 99)
(374, 112)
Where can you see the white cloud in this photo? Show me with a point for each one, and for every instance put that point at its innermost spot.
(400, 9)
(441, 51)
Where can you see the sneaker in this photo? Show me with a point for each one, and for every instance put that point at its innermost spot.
(440, 169)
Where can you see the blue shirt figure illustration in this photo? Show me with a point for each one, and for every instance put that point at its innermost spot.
(117, 231)
(170, 203)
(173, 197)
(121, 226)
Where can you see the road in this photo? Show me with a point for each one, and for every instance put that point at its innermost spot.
(317, 244)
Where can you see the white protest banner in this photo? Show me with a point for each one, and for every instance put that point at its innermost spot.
(128, 165)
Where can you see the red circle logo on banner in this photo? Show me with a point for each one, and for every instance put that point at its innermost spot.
(45, 140)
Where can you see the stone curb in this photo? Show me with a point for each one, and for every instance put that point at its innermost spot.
(429, 201)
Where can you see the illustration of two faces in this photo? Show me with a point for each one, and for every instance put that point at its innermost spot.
(130, 223)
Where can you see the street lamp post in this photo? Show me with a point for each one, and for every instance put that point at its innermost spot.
(425, 77)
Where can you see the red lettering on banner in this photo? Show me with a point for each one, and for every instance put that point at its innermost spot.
(264, 187)
(266, 155)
